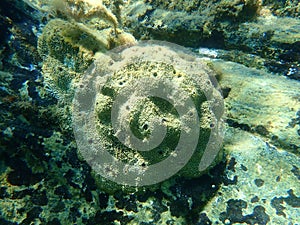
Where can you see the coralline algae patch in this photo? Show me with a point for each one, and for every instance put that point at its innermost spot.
(144, 94)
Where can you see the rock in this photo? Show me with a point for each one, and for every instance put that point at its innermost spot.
(263, 162)
(267, 103)
(246, 28)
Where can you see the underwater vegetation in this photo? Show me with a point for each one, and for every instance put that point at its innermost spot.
(251, 47)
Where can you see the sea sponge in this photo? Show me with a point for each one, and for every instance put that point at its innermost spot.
(68, 48)
(69, 44)
(145, 113)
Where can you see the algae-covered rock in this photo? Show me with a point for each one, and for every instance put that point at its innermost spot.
(261, 103)
(269, 37)
(190, 23)
(237, 10)
(264, 184)
(245, 26)
(146, 113)
(284, 7)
